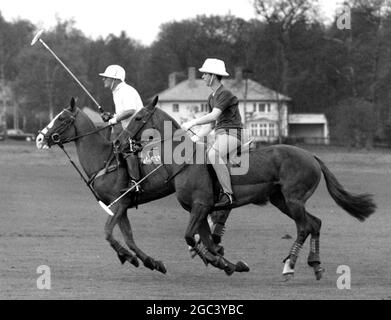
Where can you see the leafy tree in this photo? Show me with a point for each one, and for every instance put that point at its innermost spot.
(358, 125)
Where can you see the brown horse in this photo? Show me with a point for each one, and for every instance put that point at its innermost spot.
(284, 175)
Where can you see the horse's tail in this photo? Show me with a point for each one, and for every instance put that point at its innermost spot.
(360, 206)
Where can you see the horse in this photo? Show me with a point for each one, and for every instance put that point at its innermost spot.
(284, 175)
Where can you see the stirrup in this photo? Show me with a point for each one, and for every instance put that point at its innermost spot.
(137, 186)
(136, 189)
(221, 204)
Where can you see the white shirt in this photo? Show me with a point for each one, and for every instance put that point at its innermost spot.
(126, 98)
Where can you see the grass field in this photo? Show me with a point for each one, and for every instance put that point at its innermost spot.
(49, 217)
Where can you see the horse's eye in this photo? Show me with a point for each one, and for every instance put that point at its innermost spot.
(138, 118)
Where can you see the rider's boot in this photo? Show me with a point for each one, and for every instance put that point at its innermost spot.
(134, 173)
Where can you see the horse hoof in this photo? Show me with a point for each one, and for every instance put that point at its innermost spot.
(134, 261)
(319, 272)
(149, 263)
(122, 258)
(161, 267)
(229, 270)
(242, 267)
(287, 277)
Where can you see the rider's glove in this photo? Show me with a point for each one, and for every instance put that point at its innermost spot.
(113, 121)
(106, 116)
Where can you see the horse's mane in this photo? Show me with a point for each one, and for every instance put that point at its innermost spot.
(86, 117)
(90, 122)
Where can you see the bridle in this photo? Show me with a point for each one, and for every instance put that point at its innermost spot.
(65, 125)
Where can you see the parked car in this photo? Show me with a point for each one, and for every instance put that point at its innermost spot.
(19, 134)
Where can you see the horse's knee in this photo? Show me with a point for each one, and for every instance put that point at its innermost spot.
(190, 240)
(108, 235)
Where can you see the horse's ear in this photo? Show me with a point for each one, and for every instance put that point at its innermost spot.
(72, 104)
(153, 103)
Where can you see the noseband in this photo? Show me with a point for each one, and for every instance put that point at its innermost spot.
(65, 124)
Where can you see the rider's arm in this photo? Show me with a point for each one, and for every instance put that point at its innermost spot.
(208, 118)
(128, 103)
(205, 130)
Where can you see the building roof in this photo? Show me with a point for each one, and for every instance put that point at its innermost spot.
(312, 118)
(196, 90)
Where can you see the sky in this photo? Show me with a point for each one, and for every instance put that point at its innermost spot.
(140, 19)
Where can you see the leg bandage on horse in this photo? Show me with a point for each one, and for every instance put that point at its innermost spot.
(294, 253)
(313, 257)
(218, 232)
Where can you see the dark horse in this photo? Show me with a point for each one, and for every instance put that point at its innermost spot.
(284, 175)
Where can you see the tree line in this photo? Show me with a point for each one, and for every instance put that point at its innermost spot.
(342, 72)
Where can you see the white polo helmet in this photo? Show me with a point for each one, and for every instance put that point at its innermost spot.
(115, 72)
(215, 66)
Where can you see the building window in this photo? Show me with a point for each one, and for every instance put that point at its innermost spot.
(263, 107)
(263, 129)
(272, 130)
(254, 129)
(175, 107)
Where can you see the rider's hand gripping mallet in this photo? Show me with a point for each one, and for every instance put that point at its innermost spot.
(38, 38)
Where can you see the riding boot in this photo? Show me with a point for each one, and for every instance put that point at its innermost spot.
(133, 171)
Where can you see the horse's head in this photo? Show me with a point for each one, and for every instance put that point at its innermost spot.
(148, 120)
(141, 120)
(60, 129)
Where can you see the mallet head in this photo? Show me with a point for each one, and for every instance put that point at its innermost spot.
(37, 37)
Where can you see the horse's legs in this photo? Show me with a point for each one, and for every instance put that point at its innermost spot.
(126, 229)
(217, 227)
(123, 254)
(313, 259)
(206, 247)
(198, 213)
(294, 209)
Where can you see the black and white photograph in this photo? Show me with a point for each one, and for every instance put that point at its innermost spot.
(196, 155)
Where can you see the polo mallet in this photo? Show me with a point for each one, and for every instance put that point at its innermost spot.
(107, 208)
(38, 38)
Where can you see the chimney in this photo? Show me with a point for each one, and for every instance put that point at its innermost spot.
(192, 76)
(238, 75)
(171, 80)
